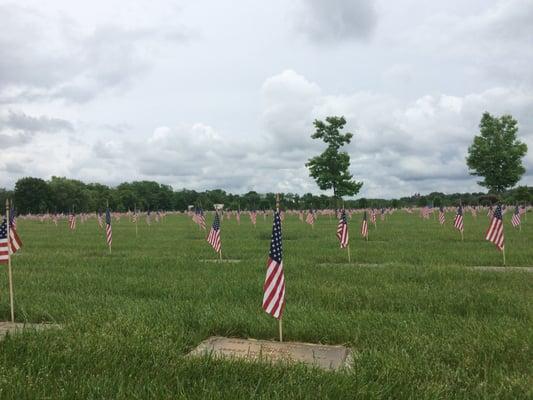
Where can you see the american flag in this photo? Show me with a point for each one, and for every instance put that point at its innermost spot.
(382, 214)
(458, 221)
(238, 217)
(148, 217)
(342, 230)
(4, 246)
(442, 216)
(301, 215)
(14, 239)
(253, 217)
(495, 232)
(310, 217)
(108, 230)
(134, 216)
(516, 217)
(373, 216)
(274, 287)
(100, 222)
(490, 212)
(12, 219)
(72, 221)
(364, 226)
(214, 234)
(199, 218)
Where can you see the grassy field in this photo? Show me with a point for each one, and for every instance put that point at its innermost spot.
(420, 324)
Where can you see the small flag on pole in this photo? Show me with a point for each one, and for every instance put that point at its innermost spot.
(214, 234)
(72, 221)
(442, 215)
(310, 218)
(108, 230)
(342, 230)
(458, 221)
(14, 240)
(495, 232)
(364, 226)
(516, 217)
(4, 245)
(274, 287)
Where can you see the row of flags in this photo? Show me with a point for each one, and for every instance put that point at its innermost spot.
(274, 285)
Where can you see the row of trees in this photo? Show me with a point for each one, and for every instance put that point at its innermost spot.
(34, 195)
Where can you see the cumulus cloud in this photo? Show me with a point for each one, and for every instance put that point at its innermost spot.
(18, 128)
(330, 21)
(44, 56)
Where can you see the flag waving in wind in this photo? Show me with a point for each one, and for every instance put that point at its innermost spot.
(442, 215)
(310, 217)
(458, 221)
(364, 227)
(495, 232)
(516, 217)
(214, 234)
(4, 245)
(342, 230)
(274, 287)
(14, 240)
(108, 230)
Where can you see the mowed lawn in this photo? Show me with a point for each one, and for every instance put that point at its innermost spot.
(421, 325)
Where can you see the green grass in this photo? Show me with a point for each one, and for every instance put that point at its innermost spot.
(421, 325)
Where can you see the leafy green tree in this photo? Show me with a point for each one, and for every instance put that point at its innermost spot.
(496, 153)
(4, 195)
(32, 195)
(68, 195)
(522, 194)
(330, 169)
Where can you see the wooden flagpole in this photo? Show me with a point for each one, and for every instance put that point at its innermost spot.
(280, 320)
(349, 255)
(9, 269)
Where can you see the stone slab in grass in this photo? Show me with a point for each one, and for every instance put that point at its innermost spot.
(502, 269)
(229, 261)
(323, 356)
(17, 327)
(345, 264)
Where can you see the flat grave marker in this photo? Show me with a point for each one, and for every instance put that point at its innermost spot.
(502, 269)
(18, 327)
(323, 356)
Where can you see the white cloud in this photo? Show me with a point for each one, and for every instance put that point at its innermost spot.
(330, 21)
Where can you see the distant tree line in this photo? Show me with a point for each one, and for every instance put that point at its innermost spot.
(35, 195)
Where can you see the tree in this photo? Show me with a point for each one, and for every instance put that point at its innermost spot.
(522, 194)
(496, 153)
(330, 169)
(32, 195)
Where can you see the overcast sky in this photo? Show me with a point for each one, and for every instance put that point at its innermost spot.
(223, 94)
